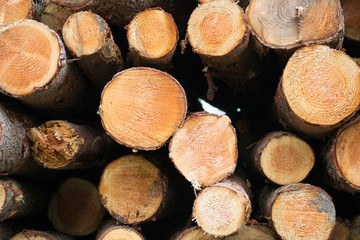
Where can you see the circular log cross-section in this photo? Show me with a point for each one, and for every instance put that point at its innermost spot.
(76, 208)
(55, 16)
(319, 90)
(254, 231)
(194, 233)
(133, 189)
(222, 209)
(283, 158)
(291, 24)
(152, 37)
(295, 205)
(204, 149)
(118, 232)
(142, 107)
(40, 235)
(351, 10)
(14, 10)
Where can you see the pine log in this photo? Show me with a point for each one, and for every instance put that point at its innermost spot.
(193, 233)
(55, 16)
(133, 190)
(14, 10)
(288, 25)
(76, 208)
(142, 107)
(19, 198)
(113, 231)
(34, 68)
(89, 39)
(78, 5)
(300, 211)
(351, 10)
(40, 235)
(223, 208)
(341, 230)
(341, 156)
(318, 92)
(355, 228)
(242, 3)
(152, 35)
(60, 144)
(204, 149)
(283, 158)
(254, 232)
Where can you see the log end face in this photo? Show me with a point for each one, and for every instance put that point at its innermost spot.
(121, 232)
(3, 196)
(12, 11)
(194, 233)
(250, 232)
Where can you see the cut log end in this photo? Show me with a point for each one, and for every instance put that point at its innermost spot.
(132, 189)
(39, 235)
(76, 208)
(55, 16)
(120, 232)
(204, 149)
(351, 10)
(301, 211)
(194, 233)
(252, 232)
(31, 56)
(142, 108)
(3, 196)
(84, 33)
(12, 11)
(215, 28)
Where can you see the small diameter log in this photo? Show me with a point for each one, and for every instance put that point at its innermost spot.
(142, 107)
(133, 190)
(89, 38)
(152, 37)
(14, 10)
(18, 198)
(194, 233)
(351, 10)
(341, 230)
(254, 232)
(341, 157)
(63, 145)
(289, 25)
(204, 149)
(76, 208)
(283, 158)
(355, 228)
(34, 69)
(223, 208)
(55, 16)
(318, 92)
(40, 235)
(300, 211)
(113, 231)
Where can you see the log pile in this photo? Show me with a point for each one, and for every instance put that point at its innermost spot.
(106, 132)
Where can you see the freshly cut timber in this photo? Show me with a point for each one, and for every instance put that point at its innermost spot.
(194, 233)
(254, 231)
(223, 208)
(283, 158)
(89, 39)
(300, 211)
(152, 37)
(342, 157)
(55, 16)
(19, 199)
(133, 189)
(319, 91)
(34, 70)
(142, 107)
(76, 208)
(40, 235)
(351, 10)
(204, 149)
(341, 230)
(288, 25)
(60, 144)
(14, 10)
(113, 231)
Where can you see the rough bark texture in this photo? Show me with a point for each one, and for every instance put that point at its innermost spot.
(12, 11)
(79, 5)
(355, 228)
(351, 10)
(40, 235)
(111, 230)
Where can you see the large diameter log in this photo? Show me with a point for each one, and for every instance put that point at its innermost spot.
(133, 190)
(341, 156)
(351, 10)
(300, 211)
(283, 158)
(34, 68)
(60, 144)
(223, 208)
(89, 39)
(76, 208)
(142, 107)
(55, 16)
(40, 235)
(288, 25)
(112, 231)
(204, 149)
(14, 10)
(318, 92)
(152, 35)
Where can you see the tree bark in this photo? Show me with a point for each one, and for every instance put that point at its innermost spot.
(89, 39)
(351, 10)
(111, 230)
(141, 108)
(355, 228)
(193, 233)
(300, 211)
(79, 5)
(76, 208)
(204, 149)
(55, 16)
(341, 230)
(152, 35)
(242, 3)
(283, 158)
(63, 145)
(12, 11)
(318, 92)
(40, 235)
(35, 70)
(223, 208)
